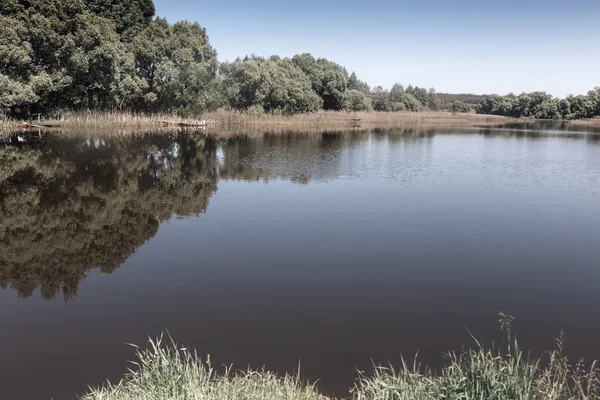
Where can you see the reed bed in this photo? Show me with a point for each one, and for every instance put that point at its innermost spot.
(479, 373)
(229, 123)
(594, 122)
(349, 118)
(96, 121)
(225, 120)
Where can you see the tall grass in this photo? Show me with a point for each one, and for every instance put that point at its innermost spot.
(479, 373)
(225, 120)
(174, 373)
(351, 118)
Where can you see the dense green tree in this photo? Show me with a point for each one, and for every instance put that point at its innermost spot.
(397, 93)
(129, 16)
(177, 65)
(580, 106)
(380, 99)
(329, 80)
(272, 84)
(357, 101)
(14, 93)
(460, 107)
(95, 62)
(540, 105)
(594, 96)
(427, 98)
(66, 55)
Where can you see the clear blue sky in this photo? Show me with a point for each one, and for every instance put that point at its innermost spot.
(478, 46)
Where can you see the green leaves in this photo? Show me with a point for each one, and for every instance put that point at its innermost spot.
(541, 105)
(275, 84)
(329, 80)
(357, 101)
(111, 54)
(15, 93)
(178, 65)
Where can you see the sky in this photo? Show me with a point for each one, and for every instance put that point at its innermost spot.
(468, 46)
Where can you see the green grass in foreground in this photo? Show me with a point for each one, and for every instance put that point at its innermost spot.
(173, 373)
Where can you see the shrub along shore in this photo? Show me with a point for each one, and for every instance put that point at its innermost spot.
(170, 372)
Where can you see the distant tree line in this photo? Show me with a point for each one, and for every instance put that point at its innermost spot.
(542, 105)
(116, 55)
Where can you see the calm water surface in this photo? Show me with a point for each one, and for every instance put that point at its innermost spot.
(332, 249)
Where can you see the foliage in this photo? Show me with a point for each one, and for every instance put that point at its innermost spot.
(542, 105)
(273, 84)
(176, 65)
(459, 106)
(71, 54)
(357, 101)
(108, 55)
(400, 99)
(129, 16)
(329, 80)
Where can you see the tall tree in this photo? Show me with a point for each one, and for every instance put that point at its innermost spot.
(329, 80)
(129, 16)
(272, 84)
(177, 64)
(356, 84)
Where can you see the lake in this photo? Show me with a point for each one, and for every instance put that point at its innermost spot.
(330, 250)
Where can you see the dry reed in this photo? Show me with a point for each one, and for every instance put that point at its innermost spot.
(224, 120)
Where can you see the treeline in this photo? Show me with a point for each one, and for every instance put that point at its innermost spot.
(115, 55)
(541, 105)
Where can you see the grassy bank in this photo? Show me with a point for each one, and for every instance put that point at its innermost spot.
(174, 373)
(232, 120)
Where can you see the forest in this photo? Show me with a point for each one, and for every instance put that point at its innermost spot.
(107, 55)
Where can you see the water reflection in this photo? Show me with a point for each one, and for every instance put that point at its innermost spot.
(384, 239)
(73, 203)
(76, 203)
